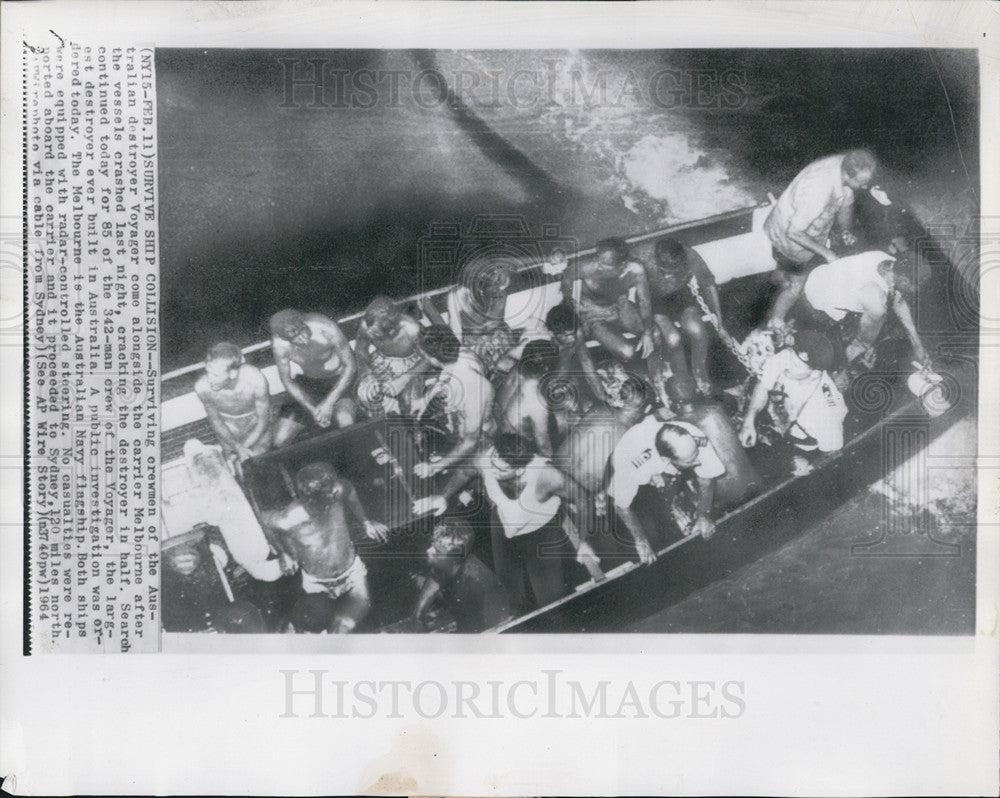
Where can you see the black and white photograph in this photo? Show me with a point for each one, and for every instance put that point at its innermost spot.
(499, 399)
(568, 341)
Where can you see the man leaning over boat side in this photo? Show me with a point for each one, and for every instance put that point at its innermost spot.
(657, 453)
(801, 221)
(237, 403)
(867, 286)
(320, 394)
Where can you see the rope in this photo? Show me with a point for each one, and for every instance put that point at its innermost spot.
(731, 344)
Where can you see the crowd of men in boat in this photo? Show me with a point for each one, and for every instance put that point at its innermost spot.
(561, 426)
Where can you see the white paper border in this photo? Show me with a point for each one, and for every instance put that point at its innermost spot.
(824, 715)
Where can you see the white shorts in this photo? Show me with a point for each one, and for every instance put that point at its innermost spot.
(353, 579)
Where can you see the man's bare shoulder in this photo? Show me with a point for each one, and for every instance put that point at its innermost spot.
(252, 377)
(201, 387)
(287, 517)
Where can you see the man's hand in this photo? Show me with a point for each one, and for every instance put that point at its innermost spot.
(424, 470)
(600, 504)
(588, 558)
(646, 554)
(287, 564)
(645, 347)
(376, 530)
(748, 435)
(323, 414)
(430, 504)
(704, 526)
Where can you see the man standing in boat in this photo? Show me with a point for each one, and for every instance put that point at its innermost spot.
(800, 223)
(389, 361)
(320, 394)
(676, 308)
(237, 403)
(654, 452)
(313, 535)
(522, 407)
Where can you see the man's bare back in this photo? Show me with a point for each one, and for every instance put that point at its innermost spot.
(320, 544)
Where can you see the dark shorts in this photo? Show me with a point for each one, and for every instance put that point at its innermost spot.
(673, 305)
(316, 390)
(789, 266)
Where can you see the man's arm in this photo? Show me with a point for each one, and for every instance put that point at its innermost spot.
(569, 276)
(456, 297)
(226, 438)
(845, 219)
(283, 362)
(902, 310)
(552, 482)
(758, 401)
(374, 529)
(804, 241)
(637, 278)
(345, 356)
(362, 357)
(470, 428)
(262, 410)
(642, 545)
(706, 282)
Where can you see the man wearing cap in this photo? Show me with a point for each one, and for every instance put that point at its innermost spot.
(804, 404)
(800, 223)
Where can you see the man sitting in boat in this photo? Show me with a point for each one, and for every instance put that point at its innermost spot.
(531, 527)
(864, 288)
(801, 221)
(320, 394)
(389, 361)
(476, 313)
(469, 591)
(574, 383)
(313, 535)
(464, 393)
(237, 403)
(599, 290)
(653, 452)
(522, 406)
(676, 308)
(804, 405)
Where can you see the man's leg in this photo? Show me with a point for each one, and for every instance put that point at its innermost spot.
(345, 412)
(673, 343)
(544, 553)
(697, 334)
(351, 607)
(507, 566)
(787, 296)
(613, 341)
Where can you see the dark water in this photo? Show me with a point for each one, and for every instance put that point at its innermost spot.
(264, 206)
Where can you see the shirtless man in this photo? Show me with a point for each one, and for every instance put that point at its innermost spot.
(313, 535)
(318, 395)
(237, 403)
(676, 309)
(575, 373)
(586, 451)
(465, 392)
(522, 406)
(389, 361)
(602, 302)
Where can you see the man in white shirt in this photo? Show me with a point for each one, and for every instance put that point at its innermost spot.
(804, 404)
(800, 223)
(654, 449)
(869, 284)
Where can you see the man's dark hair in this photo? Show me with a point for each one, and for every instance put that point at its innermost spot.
(459, 529)
(538, 358)
(283, 319)
(616, 246)
(669, 251)
(514, 449)
(224, 351)
(859, 161)
(682, 390)
(440, 343)
(562, 319)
